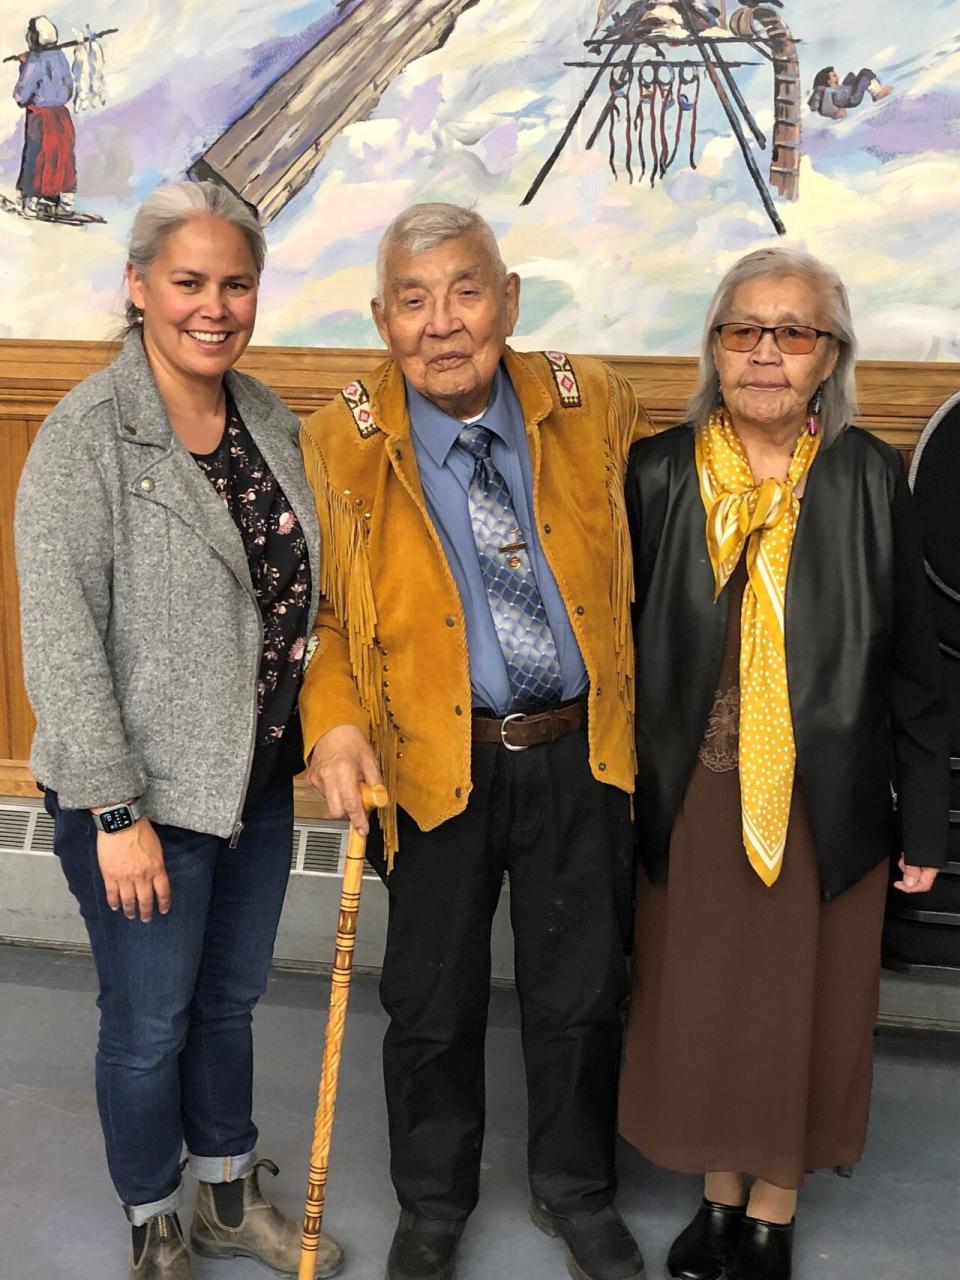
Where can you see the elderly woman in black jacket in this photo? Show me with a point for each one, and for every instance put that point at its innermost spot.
(788, 683)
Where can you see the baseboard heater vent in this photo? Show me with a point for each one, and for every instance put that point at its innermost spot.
(25, 828)
(319, 848)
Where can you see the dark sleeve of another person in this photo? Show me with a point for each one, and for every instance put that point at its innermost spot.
(918, 712)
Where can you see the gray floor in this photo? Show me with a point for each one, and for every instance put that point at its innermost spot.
(896, 1218)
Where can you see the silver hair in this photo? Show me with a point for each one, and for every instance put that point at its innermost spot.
(423, 226)
(166, 210)
(839, 391)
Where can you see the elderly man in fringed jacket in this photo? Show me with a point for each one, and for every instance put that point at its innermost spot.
(474, 648)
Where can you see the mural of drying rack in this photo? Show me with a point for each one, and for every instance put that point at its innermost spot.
(654, 93)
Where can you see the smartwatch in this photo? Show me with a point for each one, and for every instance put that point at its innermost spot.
(120, 817)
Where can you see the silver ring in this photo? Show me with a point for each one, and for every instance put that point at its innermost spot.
(516, 715)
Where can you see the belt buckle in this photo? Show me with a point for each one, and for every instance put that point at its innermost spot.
(515, 715)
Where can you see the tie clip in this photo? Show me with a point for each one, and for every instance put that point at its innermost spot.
(513, 546)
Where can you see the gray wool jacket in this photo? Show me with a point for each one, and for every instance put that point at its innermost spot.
(141, 630)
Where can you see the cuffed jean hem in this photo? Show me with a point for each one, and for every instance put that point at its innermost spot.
(138, 1214)
(221, 1168)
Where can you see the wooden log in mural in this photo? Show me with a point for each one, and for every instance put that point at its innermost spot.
(766, 24)
(271, 151)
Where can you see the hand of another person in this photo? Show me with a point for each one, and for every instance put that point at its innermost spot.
(339, 763)
(134, 875)
(915, 879)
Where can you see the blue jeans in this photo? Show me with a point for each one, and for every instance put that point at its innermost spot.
(175, 1054)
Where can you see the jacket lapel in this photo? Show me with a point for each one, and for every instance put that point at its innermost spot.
(169, 477)
(390, 406)
(535, 405)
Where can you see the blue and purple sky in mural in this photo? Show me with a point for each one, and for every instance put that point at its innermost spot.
(607, 266)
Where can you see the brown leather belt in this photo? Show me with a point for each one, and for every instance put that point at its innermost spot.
(518, 731)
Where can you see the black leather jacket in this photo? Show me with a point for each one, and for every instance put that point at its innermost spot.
(862, 662)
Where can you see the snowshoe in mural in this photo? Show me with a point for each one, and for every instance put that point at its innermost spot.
(46, 211)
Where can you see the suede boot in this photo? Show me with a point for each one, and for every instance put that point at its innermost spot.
(233, 1220)
(158, 1251)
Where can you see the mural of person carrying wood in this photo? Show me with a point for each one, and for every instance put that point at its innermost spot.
(46, 84)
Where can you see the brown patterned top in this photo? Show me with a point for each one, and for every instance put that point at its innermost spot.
(719, 750)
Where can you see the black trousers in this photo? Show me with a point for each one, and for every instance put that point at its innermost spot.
(565, 841)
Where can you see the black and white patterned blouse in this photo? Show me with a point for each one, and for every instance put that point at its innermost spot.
(280, 572)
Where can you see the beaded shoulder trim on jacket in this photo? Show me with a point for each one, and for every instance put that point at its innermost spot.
(357, 399)
(568, 388)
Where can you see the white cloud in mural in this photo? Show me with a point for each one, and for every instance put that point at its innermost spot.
(607, 266)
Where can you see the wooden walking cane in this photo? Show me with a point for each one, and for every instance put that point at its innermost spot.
(373, 798)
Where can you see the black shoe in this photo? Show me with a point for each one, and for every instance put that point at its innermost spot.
(705, 1245)
(599, 1245)
(764, 1252)
(423, 1248)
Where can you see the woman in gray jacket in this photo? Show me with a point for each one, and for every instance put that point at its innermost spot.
(167, 547)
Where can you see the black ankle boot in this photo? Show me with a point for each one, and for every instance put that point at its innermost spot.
(705, 1245)
(424, 1248)
(765, 1251)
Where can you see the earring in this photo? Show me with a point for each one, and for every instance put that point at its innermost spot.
(718, 416)
(813, 422)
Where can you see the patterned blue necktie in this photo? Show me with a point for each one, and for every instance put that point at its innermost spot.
(529, 648)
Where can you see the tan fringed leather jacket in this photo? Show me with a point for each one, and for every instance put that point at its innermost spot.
(391, 652)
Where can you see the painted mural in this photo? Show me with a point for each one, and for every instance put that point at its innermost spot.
(625, 152)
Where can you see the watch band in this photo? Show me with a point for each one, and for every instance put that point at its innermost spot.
(119, 817)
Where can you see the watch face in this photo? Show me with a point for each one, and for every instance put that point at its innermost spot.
(116, 819)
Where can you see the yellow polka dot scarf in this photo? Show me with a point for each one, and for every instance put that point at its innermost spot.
(763, 518)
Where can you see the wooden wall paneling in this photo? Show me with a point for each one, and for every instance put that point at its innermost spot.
(16, 720)
(896, 399)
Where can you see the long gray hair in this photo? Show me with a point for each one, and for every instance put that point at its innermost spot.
(423, 226)
(839, 391)
(166, 210)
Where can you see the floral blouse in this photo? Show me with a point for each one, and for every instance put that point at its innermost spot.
(280, 573)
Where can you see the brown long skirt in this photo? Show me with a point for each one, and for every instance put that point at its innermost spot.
(750, 1040)
(750, 1037)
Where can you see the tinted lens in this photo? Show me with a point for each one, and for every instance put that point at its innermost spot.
(739, 337)
(795, 339)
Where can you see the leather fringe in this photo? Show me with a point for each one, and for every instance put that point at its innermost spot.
(347, 585)
(621, 584)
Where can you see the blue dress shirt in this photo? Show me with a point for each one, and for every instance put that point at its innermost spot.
(445, 473)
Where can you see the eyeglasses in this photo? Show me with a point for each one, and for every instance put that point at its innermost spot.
(792, 339)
